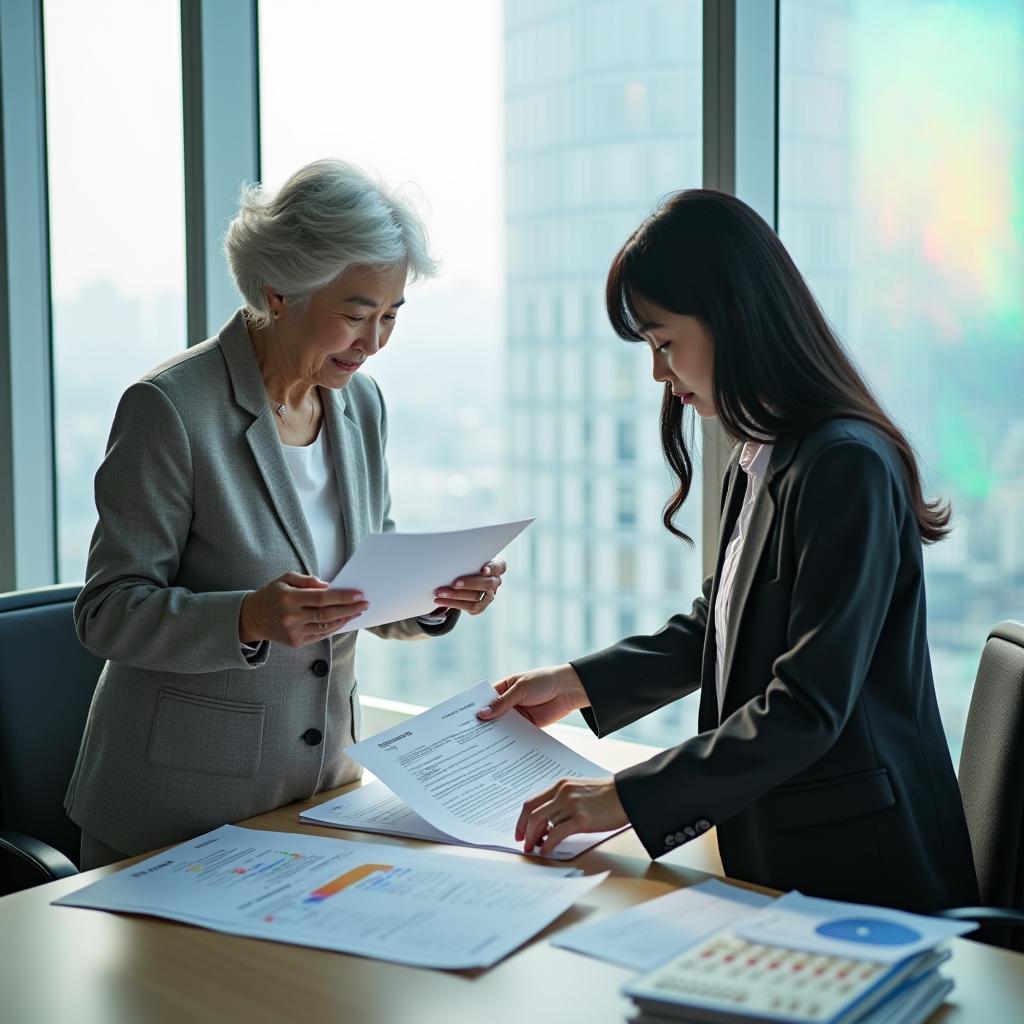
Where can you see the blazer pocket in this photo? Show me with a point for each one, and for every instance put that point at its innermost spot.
(836, 799)
(194, 733)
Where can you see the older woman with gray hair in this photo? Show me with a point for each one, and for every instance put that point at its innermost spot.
(239, 477)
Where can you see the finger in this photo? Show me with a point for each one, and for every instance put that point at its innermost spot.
(312, 636)
(322, 598)
(560, 832)
(495, 567)
(474, 607)
(529, 806)
(508, 697)
(484, 590)
(335, 624)
(322, 610)
(321, 630)
(469, 585)
(328, 625)
(347, 611)
(319, 618)
(296, 579)
(537, 826)
(464, 597)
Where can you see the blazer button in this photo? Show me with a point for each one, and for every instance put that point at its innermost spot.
(680, 837)
(320, 667)
(313, 737)
(703, 825)
(691, 832)
(670, 840)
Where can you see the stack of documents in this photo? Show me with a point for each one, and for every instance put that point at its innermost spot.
(649, 934)
(451, 778)
(409, 906)
(805, 960)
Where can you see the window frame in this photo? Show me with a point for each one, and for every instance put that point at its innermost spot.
(28, 495)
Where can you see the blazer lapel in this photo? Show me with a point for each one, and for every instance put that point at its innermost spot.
(707, 717)
(266, 449)
(349, 467)
(262, 438)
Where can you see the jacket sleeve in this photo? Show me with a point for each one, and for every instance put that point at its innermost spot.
(846, 543)
(129, 609)
(640, 674)
(405, 629)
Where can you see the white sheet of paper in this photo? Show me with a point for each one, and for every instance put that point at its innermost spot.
(469, 778)
(854, 930)
(374, 808)
(648, 935)
(399, 572)
(408, 906)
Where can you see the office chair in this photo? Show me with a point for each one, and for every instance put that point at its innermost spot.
(992, 786)
(47, 680)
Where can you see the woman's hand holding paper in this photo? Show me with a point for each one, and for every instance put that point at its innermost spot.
(473, 594)
(542, 696)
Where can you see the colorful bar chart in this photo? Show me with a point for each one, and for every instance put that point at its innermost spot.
(344, 881)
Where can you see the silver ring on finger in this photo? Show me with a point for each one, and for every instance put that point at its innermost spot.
(482, 597)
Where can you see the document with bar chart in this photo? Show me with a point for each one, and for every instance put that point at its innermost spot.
(409, 906)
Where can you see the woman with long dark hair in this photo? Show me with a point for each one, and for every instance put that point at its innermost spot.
(820, 756)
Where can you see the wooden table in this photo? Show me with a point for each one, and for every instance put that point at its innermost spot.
(62, 964)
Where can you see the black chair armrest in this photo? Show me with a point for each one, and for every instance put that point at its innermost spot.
(50, 863)
(984, 915)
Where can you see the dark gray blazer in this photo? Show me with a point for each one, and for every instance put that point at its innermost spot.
(828, 771)
(196, 508)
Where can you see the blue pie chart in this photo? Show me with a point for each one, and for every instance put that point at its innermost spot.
(872, 931)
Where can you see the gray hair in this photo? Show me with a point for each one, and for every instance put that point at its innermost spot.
(327, 217)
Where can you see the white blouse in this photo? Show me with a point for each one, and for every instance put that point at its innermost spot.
(754, 459)
(317, 484)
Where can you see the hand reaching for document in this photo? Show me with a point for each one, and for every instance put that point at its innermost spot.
(567, 808)
(543, 696)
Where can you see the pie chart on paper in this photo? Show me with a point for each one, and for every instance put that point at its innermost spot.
(872, 931)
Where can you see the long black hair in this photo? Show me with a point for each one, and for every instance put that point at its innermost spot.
(778, 366)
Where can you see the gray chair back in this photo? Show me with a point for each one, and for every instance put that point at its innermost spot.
(47, 679)
(992, 771)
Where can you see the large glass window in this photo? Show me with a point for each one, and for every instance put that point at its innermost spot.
(902, 200)
(540, 135)
(113, 101)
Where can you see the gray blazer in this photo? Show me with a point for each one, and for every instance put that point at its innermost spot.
(196, 508)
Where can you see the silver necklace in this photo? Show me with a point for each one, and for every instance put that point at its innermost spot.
(281, 408)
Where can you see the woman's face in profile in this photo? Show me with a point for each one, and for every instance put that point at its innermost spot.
(683, 354)
(346, 323)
